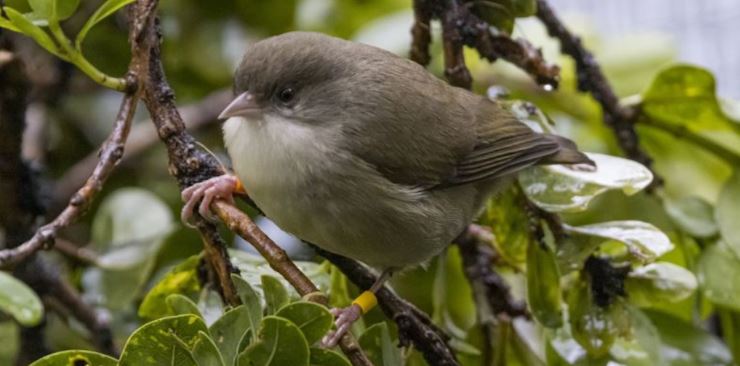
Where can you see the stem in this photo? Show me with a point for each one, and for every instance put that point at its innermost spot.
(729, 156)
(76, 57)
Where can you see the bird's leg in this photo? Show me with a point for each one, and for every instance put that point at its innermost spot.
(221, 187)
(345, 317)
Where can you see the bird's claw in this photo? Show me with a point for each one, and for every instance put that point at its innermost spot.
(203, 193)
(344, 318)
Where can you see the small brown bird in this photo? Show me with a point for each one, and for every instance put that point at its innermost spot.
(366, 154)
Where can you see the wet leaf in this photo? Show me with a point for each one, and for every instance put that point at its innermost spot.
(76, 358)
(718, 272)
(18, 300)
(659, 282)
(595, 328)
(693, 215)
(561, 188)
(377, 344)
(325, 357)
(183, 279)
(279, 342)
(160, 342)
(643, 240)
(312, 319)
(230, 330)
(728, 213)
(543, 286)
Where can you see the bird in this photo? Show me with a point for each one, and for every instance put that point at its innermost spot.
(365, 153)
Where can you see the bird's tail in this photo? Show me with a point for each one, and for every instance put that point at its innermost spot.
(567, 154)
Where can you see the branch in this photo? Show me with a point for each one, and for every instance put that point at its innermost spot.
(413, 324)
(110, 154)
(591, 79)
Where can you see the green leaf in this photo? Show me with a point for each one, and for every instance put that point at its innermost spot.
(18, 300)
(728, 212)
(686, 95)
(25, 26)
(8, 25)
(509, 224)
(502, 13)
(718, 272)
(312, 319)
(181, 305)
(158, 342)
(279, 343)
(183, 279)
(377, 344)
(693, 215)
(643, 240)
(109, 7)
(275, 294)
(325, 357)
(659, 282)
(54, 9)
(593, 327)
(205, 351)
(543, 286)
(686, 345)
(230, 330)
(76, 358)
(251, 300)
(561, 188)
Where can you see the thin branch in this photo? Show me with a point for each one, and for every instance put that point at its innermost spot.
(421, 34)
(413, 325)
(110, 154)
(78, 253)
(591, 79)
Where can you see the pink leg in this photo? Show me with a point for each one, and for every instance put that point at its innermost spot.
(221, 187)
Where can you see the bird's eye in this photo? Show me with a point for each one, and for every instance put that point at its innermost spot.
(286, 95)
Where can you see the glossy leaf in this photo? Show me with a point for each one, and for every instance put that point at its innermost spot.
(312, 319)
(105, 10)
(377, 344)
(279, 342)
(76, 358)
(251, 301)
(54, 9)
(593, 327)
(183, 279)
(718, 272)
(561, 188)
(659, 282)
(275, 294)
(181, 305)
(18, 300)
(252, 267)
(643, 240)
(325, 357)
(686, 95)
(686, 345)
(159, 342)
(543, 286)
(230, 330)
(728, 212)
(693, 215)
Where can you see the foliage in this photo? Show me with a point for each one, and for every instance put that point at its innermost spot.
(668, 260)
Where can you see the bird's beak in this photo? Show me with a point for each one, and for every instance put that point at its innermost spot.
(244, 105)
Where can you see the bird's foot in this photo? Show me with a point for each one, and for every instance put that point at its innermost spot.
(203, 193)
(344, 318)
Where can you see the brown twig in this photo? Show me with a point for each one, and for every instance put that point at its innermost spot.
(461, 27)
(110, 154)
(413, 325)
(591, 79)
(78, 253)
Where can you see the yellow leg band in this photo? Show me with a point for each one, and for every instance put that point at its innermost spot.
(366, 301)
